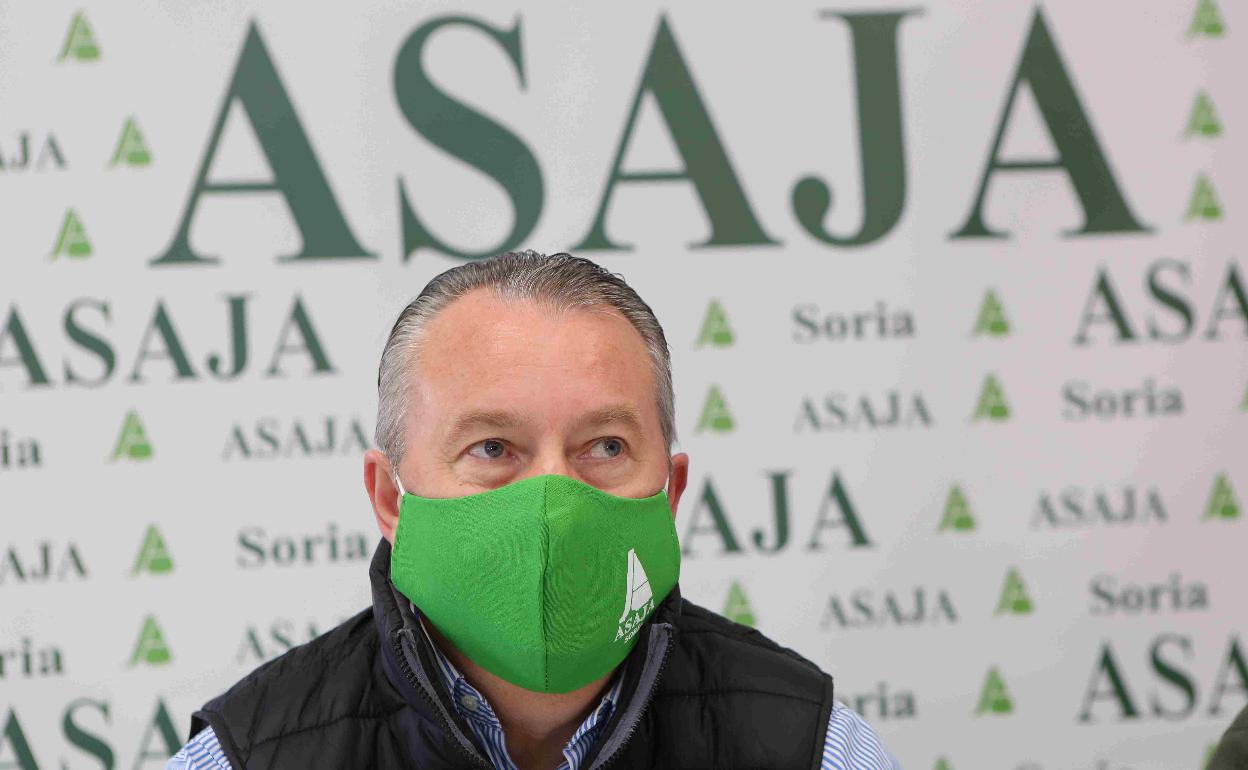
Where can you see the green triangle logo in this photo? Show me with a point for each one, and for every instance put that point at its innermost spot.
(737, 608)
(132, 442)
(715, 329)
(131, 149)
(1204, 119)
(1222, 502)
(1207, 21)
(1204, 203)
(1014, 599)
(958, 516)
(943, 764)
(80, 42)
(994, 699)
(151, 648)
(715, 415)
(992, 320)
(992, 405)
(72, 240)
(154, 555)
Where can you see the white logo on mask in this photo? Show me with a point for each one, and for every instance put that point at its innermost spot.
(638, 599)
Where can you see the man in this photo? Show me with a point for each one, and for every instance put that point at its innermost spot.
(525, 608)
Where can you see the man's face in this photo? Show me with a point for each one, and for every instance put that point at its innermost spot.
(506, 390)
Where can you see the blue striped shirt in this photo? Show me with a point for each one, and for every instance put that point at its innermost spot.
(850, 743)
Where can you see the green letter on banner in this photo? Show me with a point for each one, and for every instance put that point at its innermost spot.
(1078, 153)
(468, 135)
(879, 136)
(162, 726)
(296, 173)
(668, 80)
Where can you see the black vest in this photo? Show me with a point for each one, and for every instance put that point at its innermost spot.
(699, 692)
(1232, 753)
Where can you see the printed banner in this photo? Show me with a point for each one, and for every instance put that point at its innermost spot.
(957, 304)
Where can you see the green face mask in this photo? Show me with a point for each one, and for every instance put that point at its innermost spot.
(543, 582)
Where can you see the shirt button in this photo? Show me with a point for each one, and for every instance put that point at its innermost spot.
(469, 702)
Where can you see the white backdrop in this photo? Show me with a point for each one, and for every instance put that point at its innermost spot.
(171, 515)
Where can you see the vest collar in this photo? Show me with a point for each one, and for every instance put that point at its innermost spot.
(408, 661)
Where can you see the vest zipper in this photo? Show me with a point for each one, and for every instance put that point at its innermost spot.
(476, 759)
(658, 674)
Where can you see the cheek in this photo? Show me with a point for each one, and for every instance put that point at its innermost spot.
(430, 476)
(628, 476)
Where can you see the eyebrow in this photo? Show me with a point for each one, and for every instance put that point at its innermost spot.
(611, 414)
(480, 419)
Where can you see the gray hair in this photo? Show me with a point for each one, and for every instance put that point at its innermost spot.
(560, 281)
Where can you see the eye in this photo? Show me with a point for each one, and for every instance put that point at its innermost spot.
(490, 449)
(606, 448)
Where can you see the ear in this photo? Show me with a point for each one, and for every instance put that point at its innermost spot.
(677, 479)
(382, 491)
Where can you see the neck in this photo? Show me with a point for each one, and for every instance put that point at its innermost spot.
(536, 725)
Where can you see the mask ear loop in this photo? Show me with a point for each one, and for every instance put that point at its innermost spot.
(399, 483)
(666, 481)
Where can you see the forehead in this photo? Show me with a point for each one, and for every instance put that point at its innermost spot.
(484, 349)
